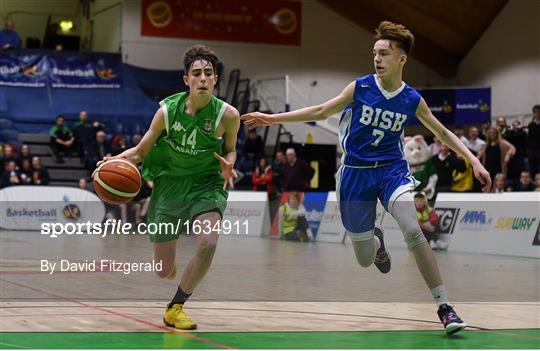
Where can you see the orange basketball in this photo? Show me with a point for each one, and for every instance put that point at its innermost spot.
(117, 181)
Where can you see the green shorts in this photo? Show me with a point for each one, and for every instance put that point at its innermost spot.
(175, 202)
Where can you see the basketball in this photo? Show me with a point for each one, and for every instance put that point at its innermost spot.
(117, 181)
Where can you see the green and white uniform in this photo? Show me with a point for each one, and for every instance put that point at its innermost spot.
(187, 177)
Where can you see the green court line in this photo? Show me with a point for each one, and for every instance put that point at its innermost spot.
(427, 339)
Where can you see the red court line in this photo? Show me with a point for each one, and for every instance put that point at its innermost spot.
(126, 316)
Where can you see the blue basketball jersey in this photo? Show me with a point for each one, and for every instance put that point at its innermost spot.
(371, 129)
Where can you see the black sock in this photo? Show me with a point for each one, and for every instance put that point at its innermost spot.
(180, 297)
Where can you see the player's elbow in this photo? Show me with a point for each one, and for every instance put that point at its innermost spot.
(320, 113)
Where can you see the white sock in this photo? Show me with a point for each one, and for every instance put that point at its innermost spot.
(377, 243)
(439, 295)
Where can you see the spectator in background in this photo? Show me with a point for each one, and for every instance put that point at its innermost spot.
(517, 137)
(83, 185)
(40, 175)
(278, 170)
(292, 220)
(501, 126)
(474, 143)
(9, 39)
(26, 171)
(11, 176)
(136, 139)
(119, 146)
(533, 145)
(435, 146)
(428, 220)
(445, 164)
(525, 182)
(98, 149)
(138, 206)
(463, 181)
(253, 150)
(62, 140)
(85, 133)
(499, 183)
(24, 155)
(496, 153)
(460, 133)
(484, 130)
(7, 156)
(297, 173)
(262, 178)
(537, 182)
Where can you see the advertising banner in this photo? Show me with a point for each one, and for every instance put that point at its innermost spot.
(28, 207)
(29, 71)
(270, 21)
(247, 213)
(61, 70)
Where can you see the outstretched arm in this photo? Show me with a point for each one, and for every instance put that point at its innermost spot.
(137, 153)
(445, 136)
(312, 113)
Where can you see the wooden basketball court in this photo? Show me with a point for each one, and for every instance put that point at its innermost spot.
(260, 293)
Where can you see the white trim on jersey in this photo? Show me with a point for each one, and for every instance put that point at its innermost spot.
(344, 132)
(165, 114)
(220, 114)
(388, 94)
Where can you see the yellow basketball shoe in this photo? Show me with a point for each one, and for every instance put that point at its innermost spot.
(177, 318)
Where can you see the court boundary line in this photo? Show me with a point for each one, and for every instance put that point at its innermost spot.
(127, 316)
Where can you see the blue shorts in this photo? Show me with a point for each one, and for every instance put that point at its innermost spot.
(359, 188)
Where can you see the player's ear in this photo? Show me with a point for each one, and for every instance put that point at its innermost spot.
(216, 77)
(402, 59)
(185, 78)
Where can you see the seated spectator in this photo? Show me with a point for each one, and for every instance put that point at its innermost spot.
(26, 172)
(7, 156)
(292, 220)
(463, 181)
(262, 177)
(98, 149)
(484, 130)
(253, 150)
(9, 39)
(119, 146)
(533, 144)
(445, 163)
(428, 220)
(62, 140)
(474, 143)
(11, 176)
(525, 182)
(40, 175)
(460, 133)
(297, 173)
(85, 133)
(537, 181)
(518, 138)
(499, 183)
(24, 155)
(83, 185)
(497, 153)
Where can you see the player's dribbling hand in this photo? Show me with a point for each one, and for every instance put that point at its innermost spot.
(256, 119)
(226, 169)
(483, 177)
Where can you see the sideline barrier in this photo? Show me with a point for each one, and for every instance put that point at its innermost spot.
(26, 207)
(250, 206)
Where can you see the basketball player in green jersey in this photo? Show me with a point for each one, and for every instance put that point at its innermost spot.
(189, 152)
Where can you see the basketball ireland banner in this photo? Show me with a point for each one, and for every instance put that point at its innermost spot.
(269, 21)
(60, 70)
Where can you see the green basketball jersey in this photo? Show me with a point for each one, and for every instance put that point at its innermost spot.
(187, 146)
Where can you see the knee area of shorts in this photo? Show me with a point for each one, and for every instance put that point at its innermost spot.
(414, 238)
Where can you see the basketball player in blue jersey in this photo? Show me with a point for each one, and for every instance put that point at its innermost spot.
(373, 166)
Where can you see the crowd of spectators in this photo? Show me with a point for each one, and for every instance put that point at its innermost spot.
(21, 167)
